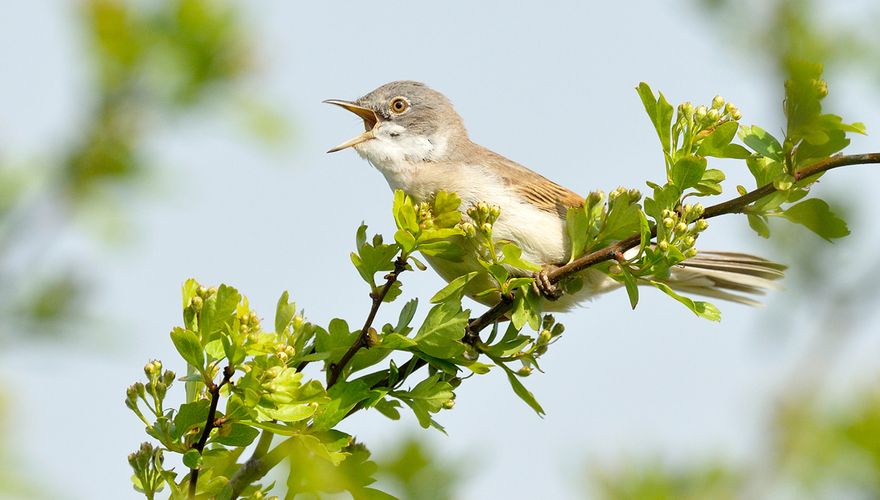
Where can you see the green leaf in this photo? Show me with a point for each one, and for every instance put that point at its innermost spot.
(406, 240)
(190, 349)
(761, 142)
(388, 407)
(238, 435)
(632, 288)
(405, 213)
(576, 226)
(451, 250)
(710, 184)
(817, 216)
(284, 313)
(288, 412)
(441, 332)
(427, 397)
(759, 224)
(344, 396)
(190, 415)
(406, 316)
(192, 459)
(702, 309)
(397, 342)
(454, 290)
(660, 112)
(218, 311)
(716, 144)
(688, 171)
(520, 390)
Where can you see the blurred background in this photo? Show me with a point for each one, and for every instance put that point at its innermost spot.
(142, 143)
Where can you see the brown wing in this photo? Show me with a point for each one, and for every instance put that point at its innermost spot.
(537, 189)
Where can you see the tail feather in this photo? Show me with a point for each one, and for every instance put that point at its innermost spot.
(727, 276)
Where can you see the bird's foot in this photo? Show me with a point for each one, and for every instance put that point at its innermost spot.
(543, 286)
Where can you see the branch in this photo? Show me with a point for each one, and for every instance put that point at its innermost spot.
(214, 390)
(255, 468)
(736, 205)
(363, 340)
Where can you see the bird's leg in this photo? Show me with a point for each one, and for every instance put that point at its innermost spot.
(543, 286)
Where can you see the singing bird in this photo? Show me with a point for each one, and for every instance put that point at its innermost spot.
(417, 140)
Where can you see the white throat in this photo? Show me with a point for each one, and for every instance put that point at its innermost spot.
(398, 154)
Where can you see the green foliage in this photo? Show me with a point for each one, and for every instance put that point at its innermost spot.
(244, 382)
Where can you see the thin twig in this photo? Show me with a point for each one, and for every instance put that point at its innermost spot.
(214, 391)
(363, 340)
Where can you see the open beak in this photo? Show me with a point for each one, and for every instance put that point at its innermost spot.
(370, 121)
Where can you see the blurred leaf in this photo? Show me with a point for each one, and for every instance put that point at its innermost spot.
(817, 216)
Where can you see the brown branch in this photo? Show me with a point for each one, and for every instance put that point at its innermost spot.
(214, 390)
(736, 205)
(363, 340)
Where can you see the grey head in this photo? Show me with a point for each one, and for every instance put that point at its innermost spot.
(403, 118)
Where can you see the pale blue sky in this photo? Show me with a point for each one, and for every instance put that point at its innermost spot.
(549, 85)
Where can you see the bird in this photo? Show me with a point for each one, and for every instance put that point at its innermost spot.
(416, 139)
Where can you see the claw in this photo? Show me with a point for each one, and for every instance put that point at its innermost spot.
(543, 286)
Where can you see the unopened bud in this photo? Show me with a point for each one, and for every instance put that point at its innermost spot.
(713, 115)
(635, 195)
(689, 241)
(717, 102)
(698, 209)
(701, 225)
(690, 252)
(701, 112)
(525, 371)
(663, 246)
(486, 228)
(595, 197)
(544, 337)
(736, 115)
(668, 222)
(197, 303)
(448, 404)
(680, 228)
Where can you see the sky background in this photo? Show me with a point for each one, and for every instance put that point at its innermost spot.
(549, 86)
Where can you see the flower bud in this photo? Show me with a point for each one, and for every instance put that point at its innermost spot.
(686, 109)
(663, 246)
(821, 87)
(713, 115)
(202, 291)
(298, 322)
(486, 228)
(635, 195)
(680, 228)
(701, 225)
(168, 377)
(717, 102)
(595, 197)
(448, 404)
(494, 211)
(131, 393)
(197, 303)
(525, 371)
(689, 241)
(698, 209)
(544, 337)
(736, 115)
(212, 290)
(668, 222)
(690, 252)
(701, 112)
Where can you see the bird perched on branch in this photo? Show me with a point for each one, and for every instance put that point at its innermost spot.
(417, 140)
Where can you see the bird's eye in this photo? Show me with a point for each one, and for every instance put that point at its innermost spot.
(399, 105)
